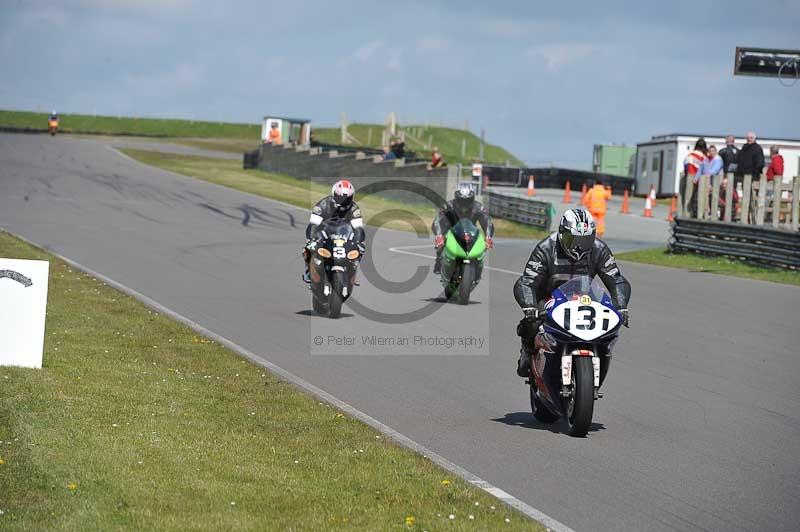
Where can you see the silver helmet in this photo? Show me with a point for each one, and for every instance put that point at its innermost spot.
(576, 233)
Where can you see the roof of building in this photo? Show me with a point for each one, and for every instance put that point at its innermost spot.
(295, 120)
(674, 136)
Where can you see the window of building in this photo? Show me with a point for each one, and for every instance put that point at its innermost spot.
(643, 163)
(655, 163)
(670, 159)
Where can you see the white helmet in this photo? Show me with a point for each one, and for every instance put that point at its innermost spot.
(342, 193)
(576, 233)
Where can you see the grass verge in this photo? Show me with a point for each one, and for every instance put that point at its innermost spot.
(115, 125)
(702, 263)
(421, 139)
(303, 193)
(136, 422)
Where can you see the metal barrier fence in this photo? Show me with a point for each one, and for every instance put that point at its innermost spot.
(520, 209)
(765, 246)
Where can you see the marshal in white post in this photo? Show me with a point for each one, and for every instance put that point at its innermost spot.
(23, 306)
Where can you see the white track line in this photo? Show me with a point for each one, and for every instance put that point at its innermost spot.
(306, 386)
(402, 249)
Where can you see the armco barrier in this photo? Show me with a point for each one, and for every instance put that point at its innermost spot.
(520, 209)
(757, 244)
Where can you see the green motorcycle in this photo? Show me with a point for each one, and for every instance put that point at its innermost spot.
(462, 260)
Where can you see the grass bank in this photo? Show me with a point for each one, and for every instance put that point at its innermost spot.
(124, 125)
(300, 192)
(421, 139)
(702, 263)
(138, 423)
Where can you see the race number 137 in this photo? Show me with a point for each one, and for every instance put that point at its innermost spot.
(586, 318)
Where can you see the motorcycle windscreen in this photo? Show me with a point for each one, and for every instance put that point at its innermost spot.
(582, 307)
(465, 241)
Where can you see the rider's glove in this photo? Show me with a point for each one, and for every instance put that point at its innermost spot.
(528, 326)
(311, 245)
(489, 243)
(438, 241)
(625, 317)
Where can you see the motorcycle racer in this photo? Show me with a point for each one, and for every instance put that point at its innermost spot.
(339, 204)
(462, 206)
(570, 251)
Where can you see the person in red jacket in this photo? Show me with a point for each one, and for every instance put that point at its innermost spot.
(691, 165)
(775, 168)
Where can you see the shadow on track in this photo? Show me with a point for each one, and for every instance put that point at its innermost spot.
(526, 420)
(309, 312)
(443, 300)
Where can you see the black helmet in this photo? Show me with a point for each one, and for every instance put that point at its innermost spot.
(576, 233)
(465, 198)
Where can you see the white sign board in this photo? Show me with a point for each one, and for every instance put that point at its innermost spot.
(477, 171)
(23, 305)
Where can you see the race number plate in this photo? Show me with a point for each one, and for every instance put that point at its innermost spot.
(585, 320)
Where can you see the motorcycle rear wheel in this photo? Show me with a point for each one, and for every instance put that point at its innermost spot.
(540, 412)
(580, 405)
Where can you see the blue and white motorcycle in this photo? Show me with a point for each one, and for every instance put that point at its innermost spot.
(573, 353)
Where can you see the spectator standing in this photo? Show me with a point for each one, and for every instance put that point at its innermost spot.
(750, 159)
(711, 166)
(775, 168)
(729, 154)
(398, 147)
(691, 165)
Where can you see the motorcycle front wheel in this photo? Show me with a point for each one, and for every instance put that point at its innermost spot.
(580, 404)
(465, 286)
(335, 297)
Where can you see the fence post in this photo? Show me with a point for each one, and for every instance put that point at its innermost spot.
(716, 181)
(795, 203)
(777, 188)
(747, 191)
(702, 197)
(687, 197)
(761, 204)
(731, 184)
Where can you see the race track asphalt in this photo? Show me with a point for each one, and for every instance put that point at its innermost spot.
(699, 428)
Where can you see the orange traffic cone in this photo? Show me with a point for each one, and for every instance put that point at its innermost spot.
(648, 207)
(583, 192)
(626, 207)
(531, 187)
(653, 195)
(567, 194)
(673, 209)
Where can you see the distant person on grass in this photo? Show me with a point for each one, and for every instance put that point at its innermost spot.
(436, 160)
(388, 154)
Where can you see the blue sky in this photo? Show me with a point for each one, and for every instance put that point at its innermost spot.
(545, 79)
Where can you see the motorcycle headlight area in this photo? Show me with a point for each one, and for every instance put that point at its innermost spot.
(324, 252)
(353, 254)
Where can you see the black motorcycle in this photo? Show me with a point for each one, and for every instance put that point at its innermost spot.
(573, 353)
(333, 266)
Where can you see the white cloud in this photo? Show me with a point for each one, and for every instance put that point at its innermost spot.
(556, 56)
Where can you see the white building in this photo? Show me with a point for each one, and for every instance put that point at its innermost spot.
(659, 161)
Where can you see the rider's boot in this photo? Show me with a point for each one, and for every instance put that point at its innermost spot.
(526, 352)
(437, 264)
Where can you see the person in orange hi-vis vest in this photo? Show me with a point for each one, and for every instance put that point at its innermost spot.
(274, 135)
(595, 202)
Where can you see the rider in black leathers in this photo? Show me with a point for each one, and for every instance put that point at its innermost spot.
(571, 251)
(463, 206)
(339, 204)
